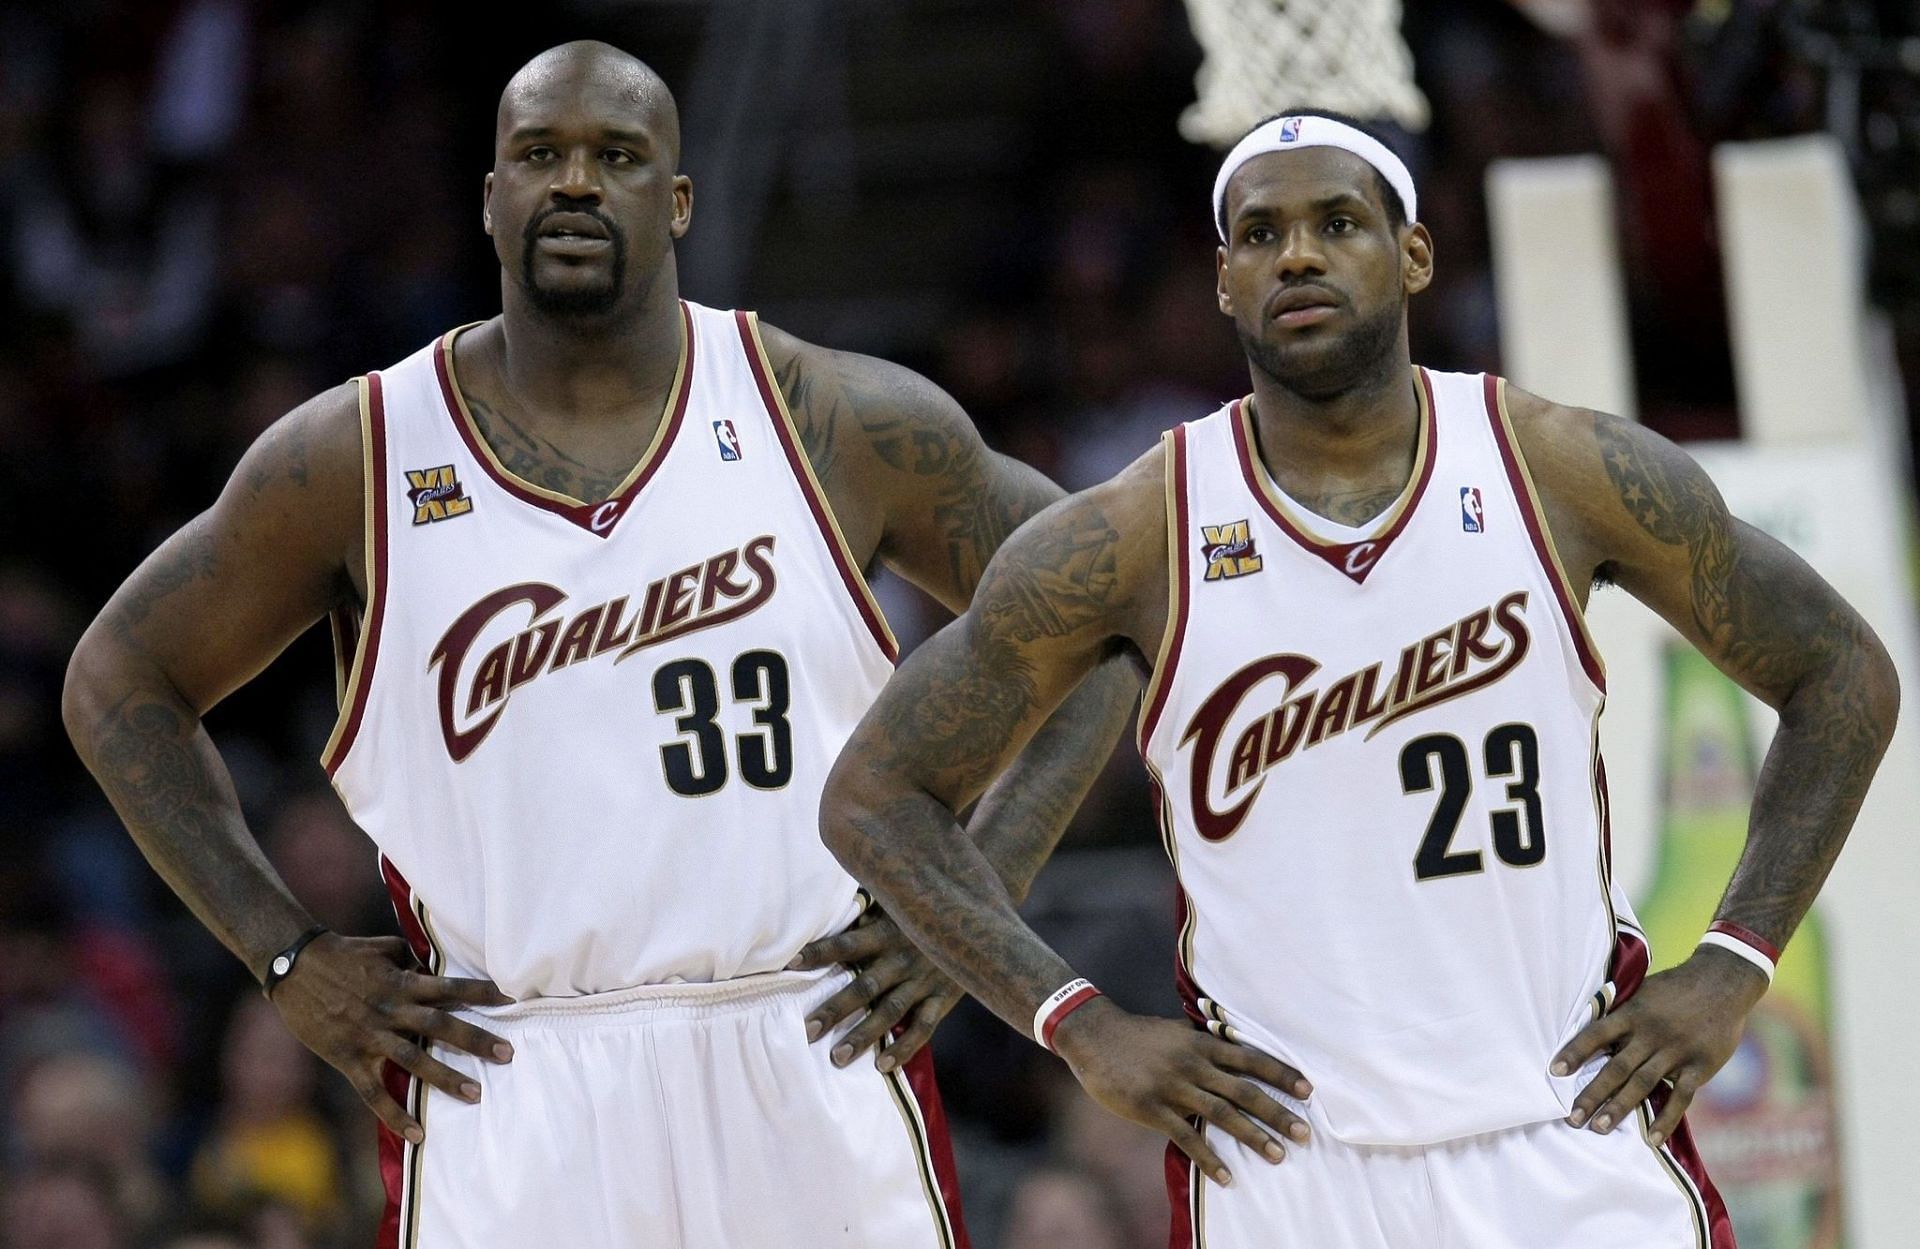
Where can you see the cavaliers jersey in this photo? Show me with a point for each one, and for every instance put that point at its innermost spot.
(1376, 751)
(589, 739)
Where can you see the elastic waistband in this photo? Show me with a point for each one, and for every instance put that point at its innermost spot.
(649, 1003)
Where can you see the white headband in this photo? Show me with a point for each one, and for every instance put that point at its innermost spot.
(1287, 134)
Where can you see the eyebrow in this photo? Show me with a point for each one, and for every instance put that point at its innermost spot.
(1326, 203)
(613, 134)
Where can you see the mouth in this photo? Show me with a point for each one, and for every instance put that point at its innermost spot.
(573, 232)
(1302, 306)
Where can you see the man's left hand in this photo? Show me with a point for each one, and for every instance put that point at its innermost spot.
(893, 983)
(1681, 1027)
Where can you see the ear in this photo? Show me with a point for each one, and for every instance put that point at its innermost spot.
(1220, 279)
(486, 205)
(682, 206)
(1416, 260)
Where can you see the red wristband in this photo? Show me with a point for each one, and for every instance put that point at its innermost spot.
(1062, 1002)
(1744, 942)
(1740, 932)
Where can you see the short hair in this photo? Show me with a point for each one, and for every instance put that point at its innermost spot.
(1396, 208)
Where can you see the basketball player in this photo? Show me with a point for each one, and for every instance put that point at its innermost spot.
(598, 565)
(1371, 723)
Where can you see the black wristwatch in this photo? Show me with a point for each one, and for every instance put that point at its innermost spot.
(282, 963)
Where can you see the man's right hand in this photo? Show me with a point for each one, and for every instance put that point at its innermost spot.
(362, 1002)
(1163, 1073)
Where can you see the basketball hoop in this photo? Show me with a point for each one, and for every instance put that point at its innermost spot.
(1266, 55)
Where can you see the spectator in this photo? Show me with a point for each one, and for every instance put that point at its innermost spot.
(61, 1206)
(1057, 1207)
(268, 1142)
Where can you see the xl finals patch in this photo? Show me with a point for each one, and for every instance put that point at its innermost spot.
(436, 494)
(1228, 550)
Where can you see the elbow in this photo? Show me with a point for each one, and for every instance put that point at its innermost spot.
(841, 805)
(80, 692)
(1882, 692)
(1861, 686)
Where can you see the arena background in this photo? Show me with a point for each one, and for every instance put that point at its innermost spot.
(211, 209)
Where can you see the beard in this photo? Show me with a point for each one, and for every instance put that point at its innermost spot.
(579, 301)
(1328, 367)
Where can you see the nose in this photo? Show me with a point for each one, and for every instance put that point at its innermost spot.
(577, 177)
(1300, 253)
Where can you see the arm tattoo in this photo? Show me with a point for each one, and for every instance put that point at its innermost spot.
(1670, 498)
(954, 905)
(949, 715)
(1022, 817)
(940, 731)
(969, 705)
(1774, 625)
(1065, 580)
(194, 559)
(966, 708)
(817, 411)
(974, 499)
(160, 770)
(138, 729)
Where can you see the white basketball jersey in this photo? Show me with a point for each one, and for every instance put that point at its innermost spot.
(589, 739)
(1377, 756)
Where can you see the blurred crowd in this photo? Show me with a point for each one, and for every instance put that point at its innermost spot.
(211, 209)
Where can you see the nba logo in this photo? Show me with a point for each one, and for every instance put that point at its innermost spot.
(1289, 130)
(1472, 518)
(728, 440)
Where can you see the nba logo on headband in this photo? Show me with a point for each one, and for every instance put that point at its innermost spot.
(1291, 134)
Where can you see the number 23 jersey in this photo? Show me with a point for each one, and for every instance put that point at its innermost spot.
(589, 739)
(1377, 757)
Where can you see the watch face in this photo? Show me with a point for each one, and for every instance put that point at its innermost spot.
(282, 965)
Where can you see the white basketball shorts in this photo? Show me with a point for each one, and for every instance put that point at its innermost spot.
(689, 1116)
(1542, 1186)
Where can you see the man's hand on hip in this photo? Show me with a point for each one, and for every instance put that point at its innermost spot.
(1680, 1028)
(1164, 1074)
(362, 1002)
(894, 983)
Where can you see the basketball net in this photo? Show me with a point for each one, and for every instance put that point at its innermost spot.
(1266, 55)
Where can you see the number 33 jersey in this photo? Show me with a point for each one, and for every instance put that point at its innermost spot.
(589, 738)
(1377, 759)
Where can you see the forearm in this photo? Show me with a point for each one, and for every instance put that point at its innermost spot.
(1020, 819)
(941, 888)
(149, 751)
(1833, 731)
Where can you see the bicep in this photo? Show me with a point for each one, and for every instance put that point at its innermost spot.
(966, 703)
(943, 529)
(217, 601)
(1747, 602)
(1050, 607)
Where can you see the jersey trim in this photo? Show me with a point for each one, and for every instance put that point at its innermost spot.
(1535, 517)
(366, 650)
(343, 626)
(917, 1097)
(789, 435)
(1712, 1224)
(1185, 1189)
(1161, 681)
(400, 1159)
(1357, 557)
(597, 518)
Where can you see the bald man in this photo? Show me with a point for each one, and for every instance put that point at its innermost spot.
(597, 571)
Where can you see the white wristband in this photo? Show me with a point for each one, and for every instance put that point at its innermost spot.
(1734, 945)
(1062, 1002)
